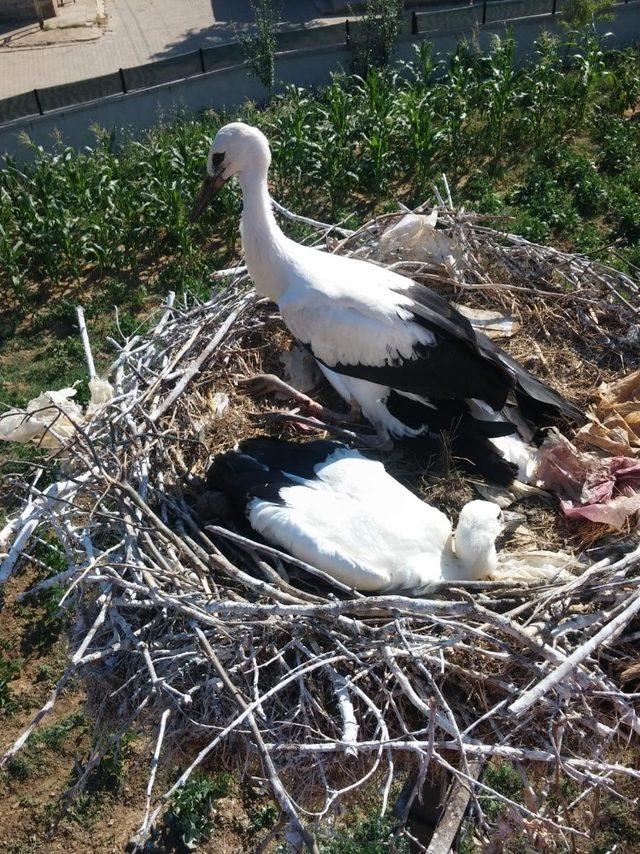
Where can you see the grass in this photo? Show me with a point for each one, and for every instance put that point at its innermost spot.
(53, 737)
(9, 667)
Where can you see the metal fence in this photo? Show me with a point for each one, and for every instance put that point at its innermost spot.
(483, 12)
(460, 17)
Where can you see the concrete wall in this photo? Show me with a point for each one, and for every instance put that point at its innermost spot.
(230, 87)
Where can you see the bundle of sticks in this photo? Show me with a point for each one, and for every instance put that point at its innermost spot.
(240, 654)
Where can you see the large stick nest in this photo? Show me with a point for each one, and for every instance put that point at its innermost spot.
(233, 651)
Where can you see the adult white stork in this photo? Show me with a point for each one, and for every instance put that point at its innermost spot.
(341, 512)
(409, 361)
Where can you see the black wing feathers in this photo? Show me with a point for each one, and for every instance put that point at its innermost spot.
(468, 438)
(261, 467)
(241, 479)
(450, 369)
(463, 364)
(296, 458)
(537, 402)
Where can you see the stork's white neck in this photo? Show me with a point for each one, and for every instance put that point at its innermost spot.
(264, 244)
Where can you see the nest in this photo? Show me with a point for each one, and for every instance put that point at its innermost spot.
(231, 651)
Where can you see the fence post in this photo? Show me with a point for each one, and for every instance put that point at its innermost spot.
(202, 59)
(347, 33)
(414, 24)
(484, 12)
(35, 92)
(555, 5)
(123, 82)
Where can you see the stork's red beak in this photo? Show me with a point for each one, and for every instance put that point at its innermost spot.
(210, 187)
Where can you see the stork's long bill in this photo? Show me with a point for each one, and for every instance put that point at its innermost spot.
(211, 185)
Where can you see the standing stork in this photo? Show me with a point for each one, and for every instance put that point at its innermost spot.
(390, 347)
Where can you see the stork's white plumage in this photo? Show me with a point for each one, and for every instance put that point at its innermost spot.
(341, 512)
(391, 347)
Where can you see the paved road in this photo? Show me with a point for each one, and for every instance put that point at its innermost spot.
(138, 31)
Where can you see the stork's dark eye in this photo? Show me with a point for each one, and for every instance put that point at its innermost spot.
(216, 159)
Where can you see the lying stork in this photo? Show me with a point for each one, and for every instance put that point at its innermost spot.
(331, 507)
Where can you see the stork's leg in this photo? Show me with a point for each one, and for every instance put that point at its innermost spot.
(263, 384)
(382, 440)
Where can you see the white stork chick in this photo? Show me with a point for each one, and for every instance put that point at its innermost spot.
(392, 348)
(341, 512)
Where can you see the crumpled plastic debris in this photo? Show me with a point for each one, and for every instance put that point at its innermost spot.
(50, 418)
(492, 323)
(614, 426)
(101, 392)
(600, 489)
(301, 369)
(219, 404)
(416, 238)
(537, 565)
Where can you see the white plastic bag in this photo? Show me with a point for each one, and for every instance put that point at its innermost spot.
(416, 238)
(50, 418)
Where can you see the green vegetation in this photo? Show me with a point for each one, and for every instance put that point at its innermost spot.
(44, 621)
(53, 737)
(551, 144)
(9, 667)
(380, 27)
(505, 780)
(260, 47)
(578, 15)
(262, 818)
(188, 820)
(555, 145)
(19, 767)
(366, 836)
(618, 822)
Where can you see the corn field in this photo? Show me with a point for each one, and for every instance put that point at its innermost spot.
(554, 144)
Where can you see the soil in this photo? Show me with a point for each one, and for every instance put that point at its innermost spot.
(34, 813)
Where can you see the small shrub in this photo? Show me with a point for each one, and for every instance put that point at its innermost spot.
(54, 736)
(368, 836)
(479, 192)
(109, 773)
(263, 818)
(19, 767)
(45, 621)
(626, 212)
(582, 180)
(45, 673)
(506, 781)
(260, 48)
(9, 667)
(188, 819)
(622, 91)
(578, 15)
(619, 144)
(380, 27)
